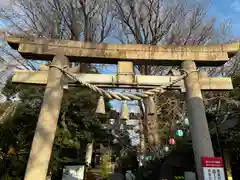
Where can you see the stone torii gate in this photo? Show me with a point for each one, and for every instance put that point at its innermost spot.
(63, 51)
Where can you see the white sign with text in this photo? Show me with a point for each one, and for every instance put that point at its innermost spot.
(213, 168)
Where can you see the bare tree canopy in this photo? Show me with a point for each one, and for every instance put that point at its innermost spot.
(159, 22)
(85, 20)
(69, 19)
(164, 22)
(136, 21)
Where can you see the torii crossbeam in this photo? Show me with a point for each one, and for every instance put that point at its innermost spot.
(128, 81)
(203, 55)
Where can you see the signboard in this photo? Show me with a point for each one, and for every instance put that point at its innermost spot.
(73, 172)
(213, 168)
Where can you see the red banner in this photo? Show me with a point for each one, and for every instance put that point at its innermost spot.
(215, 162)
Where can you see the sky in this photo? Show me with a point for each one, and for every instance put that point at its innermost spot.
(227, 10)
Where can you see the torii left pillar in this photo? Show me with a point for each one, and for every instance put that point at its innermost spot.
(42, 144)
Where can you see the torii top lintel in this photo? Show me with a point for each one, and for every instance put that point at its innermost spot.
(44, 49)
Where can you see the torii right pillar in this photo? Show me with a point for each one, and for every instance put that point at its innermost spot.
(201, 140)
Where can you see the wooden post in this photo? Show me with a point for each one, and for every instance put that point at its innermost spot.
(40, 154)
(201, 140)
(89, 152)
(151, 126)
(142, 146)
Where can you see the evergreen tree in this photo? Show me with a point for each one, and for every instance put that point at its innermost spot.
(77, 126)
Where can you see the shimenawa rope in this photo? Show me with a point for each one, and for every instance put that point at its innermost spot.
(121, 95)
